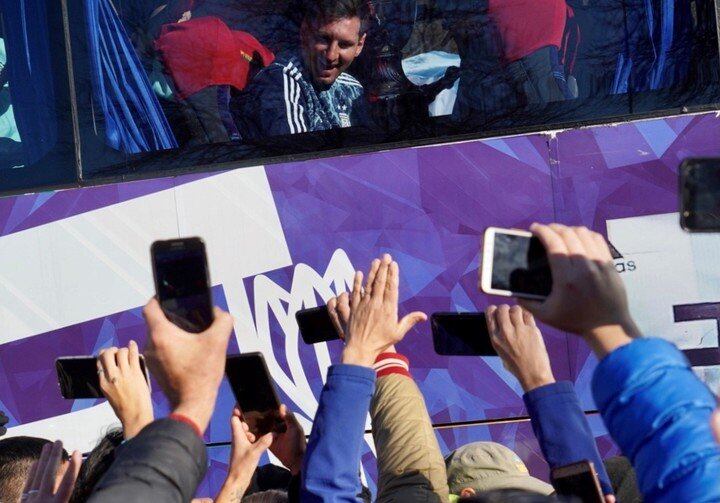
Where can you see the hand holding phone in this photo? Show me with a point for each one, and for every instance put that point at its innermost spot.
(255, 394)
(461, 334)
(79, 377)
(514, 264)
(579, 480)
(182, 282)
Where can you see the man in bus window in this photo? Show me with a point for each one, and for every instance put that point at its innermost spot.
(310, 90)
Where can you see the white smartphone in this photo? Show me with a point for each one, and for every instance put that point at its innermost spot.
(514, 264)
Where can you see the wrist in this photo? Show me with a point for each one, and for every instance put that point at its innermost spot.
(132, 425)
(199, 412)
(532, 382)
(606, 339)
(357, 356)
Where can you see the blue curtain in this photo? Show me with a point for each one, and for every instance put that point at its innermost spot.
(134, 120)
(30, 75)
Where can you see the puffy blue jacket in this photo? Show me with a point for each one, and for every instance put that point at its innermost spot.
(281, 99)
(658, 412)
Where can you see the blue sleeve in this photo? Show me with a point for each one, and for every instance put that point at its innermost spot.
(562, 429)
(272, 105)
(658, 412)
(332, 459)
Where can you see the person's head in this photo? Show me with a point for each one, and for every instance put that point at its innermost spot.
(271, 496)
(488, 466)
(508, 496)
(332, 35)
(17, 454)
(97, 463)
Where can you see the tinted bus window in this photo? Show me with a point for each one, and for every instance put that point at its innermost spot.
(36, 141)
(165, 85)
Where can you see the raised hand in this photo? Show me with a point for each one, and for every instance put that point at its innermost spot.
(520, 345)
(245, 455)
(373, 324)
(42, 483)
(188, 367)
(123, 384)
(588, 297)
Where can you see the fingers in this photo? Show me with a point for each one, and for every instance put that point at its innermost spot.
(490, 319)
(343, 305)
(516, 316)
(410, 321)
(378, 288)
(602, 246)
(551, 240)
(263, 443)
(109, 364)
(392, 286)
(221, 327)
(535, 307)
(357, 287)
(572, 243)
(502, 318)
(239, 433)
(528, 318)
(133, 355)
(374, 266)
(334, 316)
(67, 483)
(122, 359)
(32, 474)
(153, 314)
(52, 462)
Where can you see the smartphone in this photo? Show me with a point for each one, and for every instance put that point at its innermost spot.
(182, 282)
(461, 334)
(579, 480)
(315, 325)
(254, 391)
(700, 195)
(514, 264)
(78, 376)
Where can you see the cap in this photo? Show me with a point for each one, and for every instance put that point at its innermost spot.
(486, 466)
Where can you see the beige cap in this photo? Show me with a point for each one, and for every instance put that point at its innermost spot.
(486, 466)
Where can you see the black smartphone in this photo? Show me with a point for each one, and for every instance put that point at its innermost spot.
(315, 325)
(700, 195)
(514, 264)
(579, 480)
(461, 334)
(182, 282)
(254, 391)
(78, 376)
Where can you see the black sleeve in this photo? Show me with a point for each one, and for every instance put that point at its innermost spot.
(164, 463)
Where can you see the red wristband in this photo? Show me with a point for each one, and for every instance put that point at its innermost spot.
(184, 419)
(392, 363)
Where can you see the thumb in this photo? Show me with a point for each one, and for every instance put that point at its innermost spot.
(239, 437)
(263, 443)
(411, 320)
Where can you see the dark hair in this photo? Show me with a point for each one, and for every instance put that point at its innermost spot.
(271, 496)
(331, 10)
(17, 455)
(97, 463)
(511, 496)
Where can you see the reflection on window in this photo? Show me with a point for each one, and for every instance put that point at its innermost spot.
(188, 73)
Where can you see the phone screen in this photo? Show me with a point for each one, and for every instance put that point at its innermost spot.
(253, 389)
(520, 266)
(182, 282)
(583, 484)
(461, 334)
(315, 325)
(78, 376)
(700, 194)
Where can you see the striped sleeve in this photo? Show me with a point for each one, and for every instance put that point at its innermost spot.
(294, 110)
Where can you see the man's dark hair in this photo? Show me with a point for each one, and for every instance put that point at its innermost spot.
(17, 454)
(331, 10)
(97, 463)
(271, 496)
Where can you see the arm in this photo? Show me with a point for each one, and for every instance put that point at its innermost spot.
(557, 419)
(165, 462)
(659, 413)
(333, 453)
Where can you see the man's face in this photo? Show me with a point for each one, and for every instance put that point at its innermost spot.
(329, 47)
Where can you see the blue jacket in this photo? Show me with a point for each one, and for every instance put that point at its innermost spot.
(658, 412)
(281, 100)
(332, 458)
(562, 429)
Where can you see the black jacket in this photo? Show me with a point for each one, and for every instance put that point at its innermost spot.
(164, 463)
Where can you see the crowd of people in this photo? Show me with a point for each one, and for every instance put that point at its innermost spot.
(655, 408)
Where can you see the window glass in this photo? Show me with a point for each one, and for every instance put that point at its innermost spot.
(36, 143)
(171, 84)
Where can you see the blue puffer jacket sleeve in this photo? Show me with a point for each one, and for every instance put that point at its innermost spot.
(332, 458)
(562, 429)
(658, 412)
